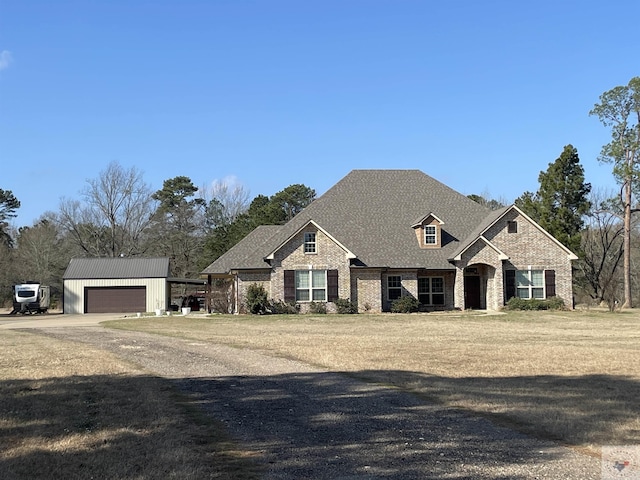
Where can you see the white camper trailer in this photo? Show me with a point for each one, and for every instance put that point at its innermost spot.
(30, 297)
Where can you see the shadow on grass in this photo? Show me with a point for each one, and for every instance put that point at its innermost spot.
(325, 425)
(307, 425)
(111, 427)
(575, 410)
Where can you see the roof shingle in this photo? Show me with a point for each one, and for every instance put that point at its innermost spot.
(371, 212)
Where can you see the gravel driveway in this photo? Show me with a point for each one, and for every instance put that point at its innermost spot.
(308, 423)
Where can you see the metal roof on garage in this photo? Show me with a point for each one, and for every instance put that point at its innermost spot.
(117, 267)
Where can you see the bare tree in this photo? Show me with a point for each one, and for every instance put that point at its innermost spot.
(42, 254)
(225, 200)
(116, 212)
(603, 247)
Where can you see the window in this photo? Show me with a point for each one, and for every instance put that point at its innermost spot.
(311, 285)
(431, 290)
(530, 283)
(430, 235)
(394, 286)
(512, 226)
(309, 242)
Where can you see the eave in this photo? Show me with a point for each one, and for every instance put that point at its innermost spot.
(350, 254)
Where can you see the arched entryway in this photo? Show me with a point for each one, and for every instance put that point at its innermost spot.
(478, 285)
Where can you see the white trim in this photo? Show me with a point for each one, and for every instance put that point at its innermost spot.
(349, 253)
(570, 254)
(421, 222)
(501, 254)
(434, 235)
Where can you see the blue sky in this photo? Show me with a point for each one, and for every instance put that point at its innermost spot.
(481, 95)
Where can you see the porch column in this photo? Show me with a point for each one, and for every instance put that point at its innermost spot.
(458, 290)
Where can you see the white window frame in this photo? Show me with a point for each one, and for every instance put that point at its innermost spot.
(394, 287)
(431, 233)
(429, 292)
(310, 244)
(525, 286)
(315, 291)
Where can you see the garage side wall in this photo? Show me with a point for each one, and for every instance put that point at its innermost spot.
(156, 292)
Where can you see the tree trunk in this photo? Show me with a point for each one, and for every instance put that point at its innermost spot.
(628, 301)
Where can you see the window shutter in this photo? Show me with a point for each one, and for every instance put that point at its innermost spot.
(332, 285)
(550, 282)
(289, 286)
(510, 283)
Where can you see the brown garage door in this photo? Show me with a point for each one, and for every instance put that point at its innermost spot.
(115, 299)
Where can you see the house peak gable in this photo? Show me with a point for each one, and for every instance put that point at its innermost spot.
(495, 217)
(349, 253)
(426, 219)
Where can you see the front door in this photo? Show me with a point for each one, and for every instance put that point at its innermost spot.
(472, 293)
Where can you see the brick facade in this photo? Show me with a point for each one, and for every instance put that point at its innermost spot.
(526, 248)
(487, 259)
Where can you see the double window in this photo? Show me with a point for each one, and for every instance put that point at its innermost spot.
(309, 242)
(311, 285)
(530, 284)
(431, 290)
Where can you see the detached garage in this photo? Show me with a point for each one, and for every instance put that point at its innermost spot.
(116, 285)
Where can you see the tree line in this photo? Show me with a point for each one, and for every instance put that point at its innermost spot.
(118, 214)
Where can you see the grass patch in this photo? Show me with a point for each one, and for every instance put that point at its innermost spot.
(569, 376)
(73, 412)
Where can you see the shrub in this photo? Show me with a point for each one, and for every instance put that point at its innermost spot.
(406, 304)
(553, 303)
(278, 307)
(345, 306)
(256, 301)
(318, 308)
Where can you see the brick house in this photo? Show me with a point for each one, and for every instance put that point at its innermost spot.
(378, 235)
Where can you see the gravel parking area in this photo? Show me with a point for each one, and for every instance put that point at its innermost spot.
(305, 422)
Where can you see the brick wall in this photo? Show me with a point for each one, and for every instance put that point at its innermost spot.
(528, 248)
(328, 256)
(366, 290)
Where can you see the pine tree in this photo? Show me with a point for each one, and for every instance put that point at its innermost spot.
(619, 109)
(561, 200)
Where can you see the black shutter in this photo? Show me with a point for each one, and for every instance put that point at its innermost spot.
(510, 283)
(290, 286)
(332, 285)
(550, 282)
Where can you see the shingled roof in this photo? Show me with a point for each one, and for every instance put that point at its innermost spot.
(117, 267)
(371, 212)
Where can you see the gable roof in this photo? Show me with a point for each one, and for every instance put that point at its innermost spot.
(492, 219)
(371, 213)
(249, 253)
(310, 222)
(117, 267)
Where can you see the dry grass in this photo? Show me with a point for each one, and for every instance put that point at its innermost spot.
(569, 376)
(72, 412)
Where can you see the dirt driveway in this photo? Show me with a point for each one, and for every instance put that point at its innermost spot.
(305, 422)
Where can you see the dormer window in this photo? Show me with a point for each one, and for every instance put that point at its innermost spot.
(309, 242)
(429, 231)
(430, 235)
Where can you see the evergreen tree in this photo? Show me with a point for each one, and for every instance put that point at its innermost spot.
(8, 206)
(561, 200)
(263, 210)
